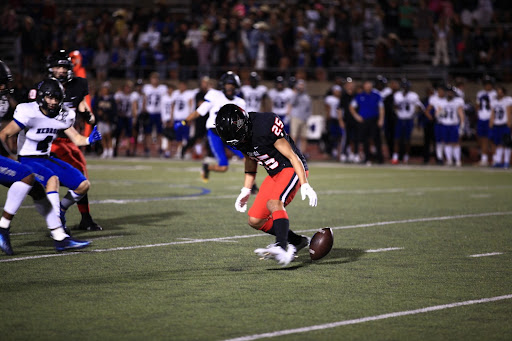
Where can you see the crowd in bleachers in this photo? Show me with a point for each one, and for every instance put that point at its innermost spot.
(277, 35)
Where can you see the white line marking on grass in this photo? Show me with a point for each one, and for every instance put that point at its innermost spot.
(21, 233)
(384, 250)
(369, 319)
(486, 254)
(221, 239)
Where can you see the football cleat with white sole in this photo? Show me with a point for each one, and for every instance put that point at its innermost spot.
(69, 243)
(283, 257)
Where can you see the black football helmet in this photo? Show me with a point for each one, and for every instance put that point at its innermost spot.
(380, 82)
(292, 81)
(60, 59)
(233, 125)
(254, 79)
(405, 84)
(5, 78)
(229, 78)
(488, 80)
(50, 87)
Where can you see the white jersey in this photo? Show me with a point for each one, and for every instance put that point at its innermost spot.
(384, 92)
(438, 103)
(124, 104)
(406, 104)
(254, 96)
(137, 97)
(166, 110)
(154, 97)
(213, 101)
(484, 100)
(332, 102)
(500, 107)
(39, 130)
(280, 100)
(448, 115)
(183, 103)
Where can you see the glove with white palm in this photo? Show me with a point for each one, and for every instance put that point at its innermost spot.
(307, 191)
(243, 198)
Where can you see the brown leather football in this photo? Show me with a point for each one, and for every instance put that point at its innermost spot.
(321, 243)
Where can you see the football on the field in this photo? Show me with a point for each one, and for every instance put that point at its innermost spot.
(321, 243)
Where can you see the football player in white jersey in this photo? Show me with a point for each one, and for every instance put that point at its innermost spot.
(334, 120)
(281, 98)
(254, 93)
(484, 98)
(435, 103)
(124, 126)
(39, 123)
(406, 103)
(168, 130)
(137, 103)
(450, 115)
(229, 83)
(500, 124)
(153, 93)
(183, 104)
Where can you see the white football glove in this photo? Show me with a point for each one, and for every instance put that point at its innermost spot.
(307, 191)
(243, 198)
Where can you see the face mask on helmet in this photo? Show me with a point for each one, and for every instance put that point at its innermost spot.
(60, 66)
(229, 78)
(233, 125)
(50, 90)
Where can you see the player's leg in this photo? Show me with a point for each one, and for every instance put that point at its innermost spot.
(218, 150)
(398, 136)
(438, 131)
(407, 140)
(482, 132)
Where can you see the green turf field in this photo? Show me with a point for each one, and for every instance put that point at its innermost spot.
(176, 262)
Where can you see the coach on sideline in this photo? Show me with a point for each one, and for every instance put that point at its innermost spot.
(370, 116)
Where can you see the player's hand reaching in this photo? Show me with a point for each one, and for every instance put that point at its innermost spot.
(243, 198)
(307, 191)
(95, 136)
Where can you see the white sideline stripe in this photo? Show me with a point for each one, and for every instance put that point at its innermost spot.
(486, 254)
(384, 250)
(223, 239)
(369, 319)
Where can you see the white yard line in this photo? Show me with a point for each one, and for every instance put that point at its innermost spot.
(486, 254)
(384, 250)
(369, 319)
(231, 238)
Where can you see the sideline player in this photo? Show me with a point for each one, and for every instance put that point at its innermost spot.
(484, 98)
(153, 93)
(450, 115)
(406, 102)
(76, 98)
(281, 98)
(500, 123)
(40, 121)
(124, 126)
(261, 137)
(182, 106)
(229, 83)
(254, 93)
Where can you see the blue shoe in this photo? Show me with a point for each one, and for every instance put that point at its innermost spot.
(5, 242)
(69, 243)
(497, 165)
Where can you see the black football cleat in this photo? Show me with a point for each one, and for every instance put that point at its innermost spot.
(304, 242)
(205, 173)
(5, 242)
(69, 243)
(87, 224)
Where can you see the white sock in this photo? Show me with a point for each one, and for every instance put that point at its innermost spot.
(395, 156)
(457, 153)
(15, 196)
(506, 156)
(484, 157)
(448, 152)
(165, 143)
(439, 151)
(54, 199)
(45, 208)
(58, 234)
(4, 223)
(497, 157)
(69, 199)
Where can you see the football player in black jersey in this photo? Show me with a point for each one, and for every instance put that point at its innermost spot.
(76, 89)
(261, 137)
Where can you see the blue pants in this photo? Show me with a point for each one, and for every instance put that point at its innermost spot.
(482, 128)
(46, 167)
(403, 129)
(12, 171)
(497, 133)
(449, 134)
(218, 148)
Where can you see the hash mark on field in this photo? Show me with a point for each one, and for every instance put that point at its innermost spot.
(206, 240)
(369, 319)
(486, 254)
(198, 240)
(384, 250)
